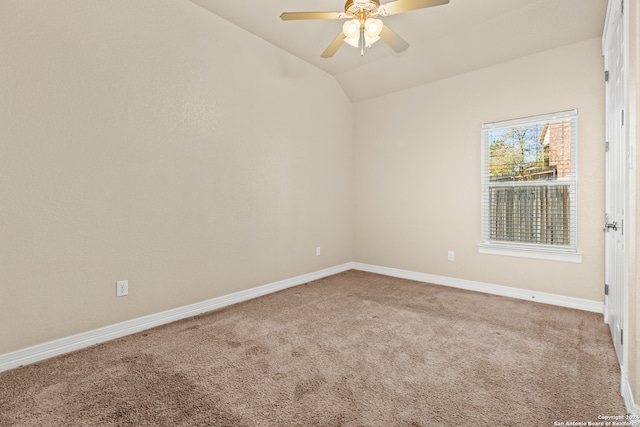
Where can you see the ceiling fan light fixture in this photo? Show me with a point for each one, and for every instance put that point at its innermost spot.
(353, 42)
(373, 28)
(351, 29)
(354, 30)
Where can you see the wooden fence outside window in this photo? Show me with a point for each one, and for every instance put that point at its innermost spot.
(530, 214)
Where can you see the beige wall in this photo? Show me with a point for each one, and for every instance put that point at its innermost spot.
(163, 145)
(417, 174)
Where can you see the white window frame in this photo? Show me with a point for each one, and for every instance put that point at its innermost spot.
(568, 253)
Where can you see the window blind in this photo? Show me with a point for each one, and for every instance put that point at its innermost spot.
(529, 183)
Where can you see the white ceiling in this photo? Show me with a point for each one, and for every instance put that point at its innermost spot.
(446, 40)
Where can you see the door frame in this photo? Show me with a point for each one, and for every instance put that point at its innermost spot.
(617, 8)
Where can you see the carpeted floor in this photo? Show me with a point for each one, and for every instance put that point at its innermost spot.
(354, 349)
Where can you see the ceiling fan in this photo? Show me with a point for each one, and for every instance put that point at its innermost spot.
(363, 28)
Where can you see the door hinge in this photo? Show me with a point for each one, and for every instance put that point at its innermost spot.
(606, 146)
(622, 7)
(622, 115)
(621, 336)
(606, 289)
(606, 76)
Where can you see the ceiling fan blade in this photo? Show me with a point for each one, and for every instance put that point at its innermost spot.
(294, 16)
(399, 6)
(334, 46)
(393, 40)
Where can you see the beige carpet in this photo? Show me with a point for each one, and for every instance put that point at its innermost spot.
(355, 349)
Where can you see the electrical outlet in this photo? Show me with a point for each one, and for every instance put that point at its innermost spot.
(451, 255)
(318, 251)
(122, 288)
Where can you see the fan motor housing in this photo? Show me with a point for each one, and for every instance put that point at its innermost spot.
(357, 7)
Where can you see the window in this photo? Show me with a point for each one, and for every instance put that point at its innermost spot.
(529, 180)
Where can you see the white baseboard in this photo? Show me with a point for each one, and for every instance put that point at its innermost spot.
(76, 342)
(546, 298)
(627, 394)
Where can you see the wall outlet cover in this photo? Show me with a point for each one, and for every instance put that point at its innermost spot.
(122, 288)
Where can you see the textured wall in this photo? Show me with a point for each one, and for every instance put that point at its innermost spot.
(156, 142)
(417, 175)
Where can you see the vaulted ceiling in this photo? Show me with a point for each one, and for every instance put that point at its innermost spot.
(445, 40)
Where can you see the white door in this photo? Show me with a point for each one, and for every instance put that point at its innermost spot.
(616, 178)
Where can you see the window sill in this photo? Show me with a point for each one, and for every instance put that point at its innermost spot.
(563, 256)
